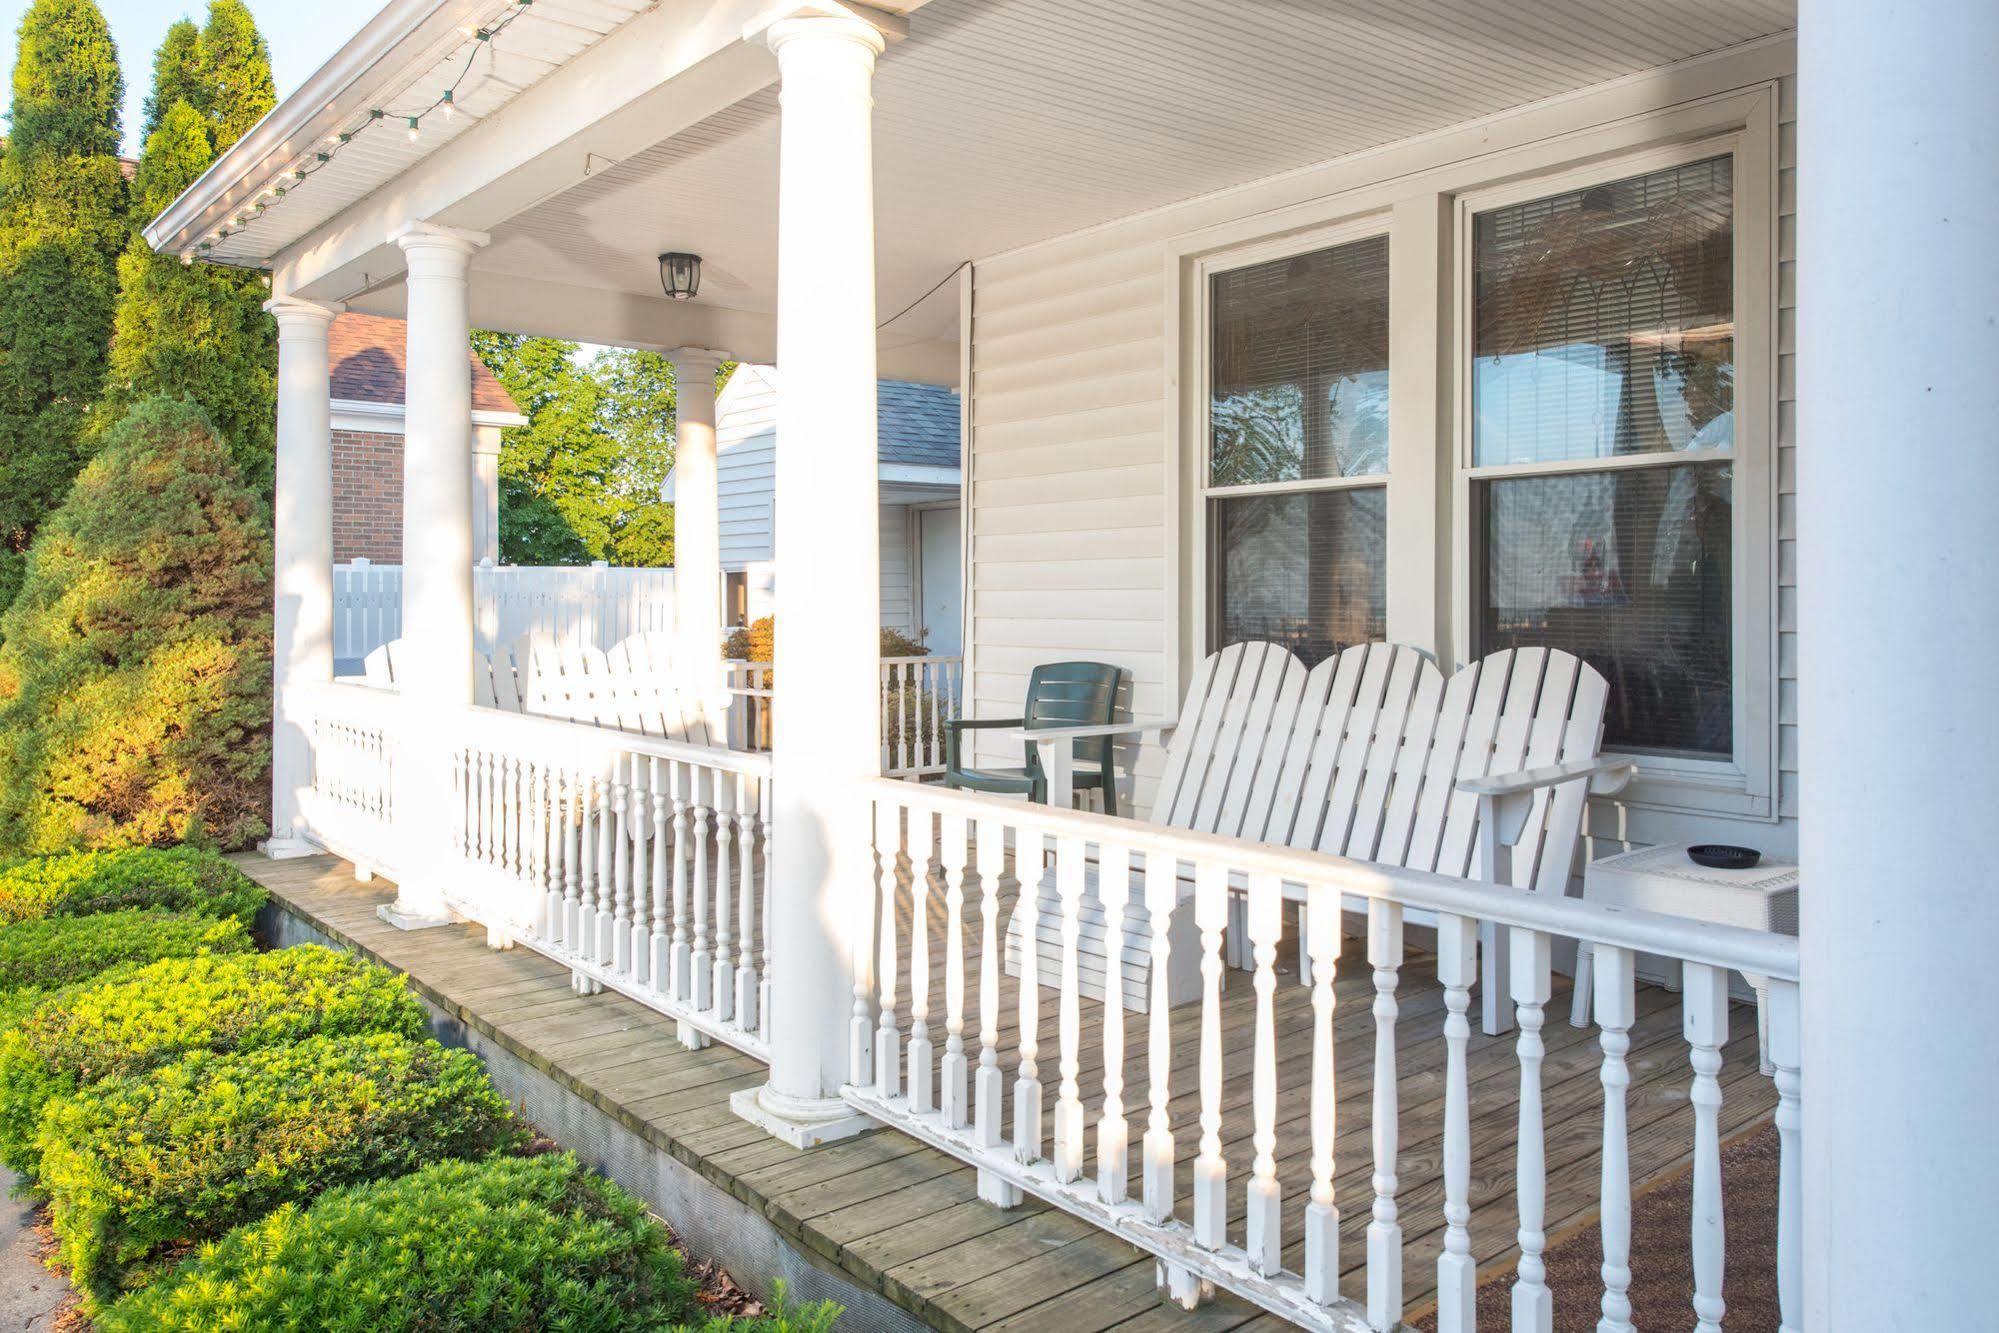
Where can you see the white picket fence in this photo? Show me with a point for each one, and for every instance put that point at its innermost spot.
(597, 605)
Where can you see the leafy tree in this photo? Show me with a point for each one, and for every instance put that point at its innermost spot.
(198, 331)
(62, 222)
(135, 663)
(176, 76)
(235, 72)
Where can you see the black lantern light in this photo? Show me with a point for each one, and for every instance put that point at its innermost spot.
(680, 274)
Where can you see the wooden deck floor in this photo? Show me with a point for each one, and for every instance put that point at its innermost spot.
(904, 1219)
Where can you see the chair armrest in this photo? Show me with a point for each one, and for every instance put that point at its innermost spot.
(1506, 799)
(955, 727)
(1606, 777)
(1092, 731)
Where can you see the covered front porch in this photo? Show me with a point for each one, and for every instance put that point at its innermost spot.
(1230, 294)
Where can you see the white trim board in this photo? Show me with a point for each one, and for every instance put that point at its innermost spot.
(364, 416)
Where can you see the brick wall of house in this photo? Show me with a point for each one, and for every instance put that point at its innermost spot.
(367, 497)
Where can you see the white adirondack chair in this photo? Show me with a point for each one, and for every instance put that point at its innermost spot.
(633, 688)
(496, 680)
(1373, 755)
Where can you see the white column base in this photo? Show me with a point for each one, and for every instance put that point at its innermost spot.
(404, 920)
(288, 848)
(799, 1122)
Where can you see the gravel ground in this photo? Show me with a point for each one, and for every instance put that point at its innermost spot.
(31, 1297)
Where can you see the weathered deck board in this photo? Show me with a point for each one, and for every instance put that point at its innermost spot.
(905, 1220)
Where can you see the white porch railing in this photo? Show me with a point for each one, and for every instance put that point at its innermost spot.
(1284, 1254)
(638, 862)
(919, 695)
(597, 605)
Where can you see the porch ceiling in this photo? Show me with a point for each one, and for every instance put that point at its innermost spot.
(1000, 123)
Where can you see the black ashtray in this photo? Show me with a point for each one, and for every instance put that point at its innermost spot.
(1721, 856)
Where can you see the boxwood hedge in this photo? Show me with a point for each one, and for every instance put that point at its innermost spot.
(59, 950)
(180, 879)
(508, 1243)
(133, 1166)
(161, 1012)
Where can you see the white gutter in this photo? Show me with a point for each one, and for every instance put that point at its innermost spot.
(307, 117)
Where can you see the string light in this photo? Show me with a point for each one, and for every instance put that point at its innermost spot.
(445, 104)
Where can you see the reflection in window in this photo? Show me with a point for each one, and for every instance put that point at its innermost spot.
(1604, 328)
(1605, 320)
(1300, 371)
(1302, 569)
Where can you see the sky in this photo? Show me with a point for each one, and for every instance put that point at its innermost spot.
(301, 36)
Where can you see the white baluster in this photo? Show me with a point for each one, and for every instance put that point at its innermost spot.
(701, 995)
(461, 804)
(1113, 1134)
(1211, 915)
(604, 948)
(638, 822)
(1616, 1010)
(1457, 1271)
(764, 975)
(989, 1088)
(1786, 1060)
(1530, 985)
(1384, 1232)
(1162, 891)
(922, 834)
(682, 957)
(1321, 947)
(1704, 1019)
(662, 880)
(1027, 868)
(952, 1076)
(888, 1042)
(619, 955)
(572, 880)
(864, 929)
(1069, 1132)
(746, 961)
(1264, 1237)
(723, 993)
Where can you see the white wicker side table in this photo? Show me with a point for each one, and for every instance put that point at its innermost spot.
(1663, 879)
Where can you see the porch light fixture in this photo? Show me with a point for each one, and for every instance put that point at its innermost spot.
(680, 274)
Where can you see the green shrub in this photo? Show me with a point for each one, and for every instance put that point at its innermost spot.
(180, 879)
(508, 1243)
(135, 664)
(161, 1012)
(782, 1317)
(134, 1165)
(60, 950)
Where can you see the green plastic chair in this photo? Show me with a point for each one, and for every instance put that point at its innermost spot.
(1059, 694)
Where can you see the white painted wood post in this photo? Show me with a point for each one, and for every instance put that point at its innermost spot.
(1264, 1226)
(1704, 1018)
(989, 1088)
(1784, 1057)
(1069, 1134)
(1384, 1232)
(1113, 1132)
(1457, 1270)
(1529, 987)
(951, 1082)
(1321, 946)
(1898, 337)
(434, 673)
(697, 533)
(1211, 913)
(302, 613)
(1615, 1012)
(828, 650)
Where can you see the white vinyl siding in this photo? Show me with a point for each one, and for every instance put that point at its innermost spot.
(1075, 517)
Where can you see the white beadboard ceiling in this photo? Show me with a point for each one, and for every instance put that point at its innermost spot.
(1003, 122)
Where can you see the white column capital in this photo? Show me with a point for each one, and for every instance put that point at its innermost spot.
(446, 251)
(864, 25)
(301, 318)
(689, 361)
(827, 30)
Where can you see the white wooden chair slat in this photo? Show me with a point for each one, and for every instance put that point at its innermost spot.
(1193, 742)
(1283, 724)
(1355, 742)
(1379, 760)
(1411, 762)
(1544, 746)
(1287, 795)
(1582, 738)
(1228, 745)
(1474, 759)
(1320, 767)
(1281, 674)
(1433, 803)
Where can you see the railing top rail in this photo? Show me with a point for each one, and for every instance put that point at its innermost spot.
(912, 661)
(1734, 947)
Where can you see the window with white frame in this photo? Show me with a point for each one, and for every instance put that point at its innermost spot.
(1602, 451)
(1295, 482)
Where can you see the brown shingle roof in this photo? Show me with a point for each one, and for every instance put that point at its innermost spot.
(368, 366)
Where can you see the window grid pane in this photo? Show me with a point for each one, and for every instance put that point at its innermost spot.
(1305, 570)
(1299, 377)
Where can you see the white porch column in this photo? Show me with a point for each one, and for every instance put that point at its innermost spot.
(1898, 576)
(828, 593)
(697, 528)
(302, 615)
(434, 674)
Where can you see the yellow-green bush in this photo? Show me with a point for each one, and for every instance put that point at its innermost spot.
(179, 879)
(508, 1243)
(137, 1166)
(135, 662)
(60, 950)
(161, 1012)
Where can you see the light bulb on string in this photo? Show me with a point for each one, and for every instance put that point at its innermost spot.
(450, 106)
(414, 129)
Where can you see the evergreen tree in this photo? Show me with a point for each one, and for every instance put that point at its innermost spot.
(62, 222)
(235, 72)
(135, 663)
(177, 76)
(199, 331)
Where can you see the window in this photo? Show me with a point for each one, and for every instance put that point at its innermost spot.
(1603, 329)
(1297, 457)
